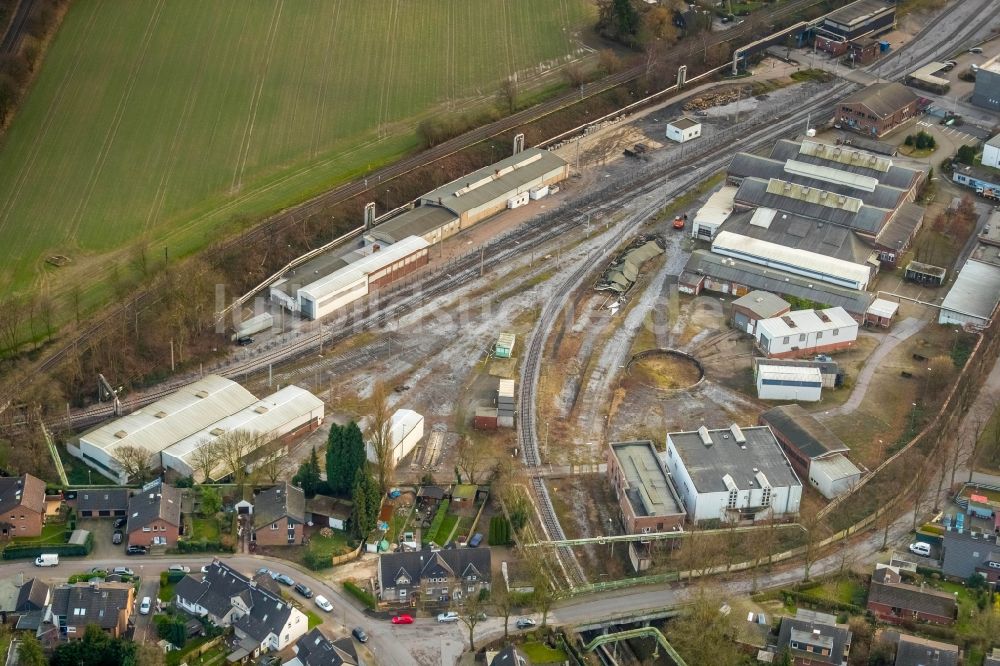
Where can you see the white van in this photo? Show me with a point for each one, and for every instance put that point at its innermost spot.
(920, 548)
(47, 560)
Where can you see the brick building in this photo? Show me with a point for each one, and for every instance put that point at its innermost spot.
(22, 506)
(893, 601)
(878, 109)
(154, 516)
(279, 514)
(646, 497)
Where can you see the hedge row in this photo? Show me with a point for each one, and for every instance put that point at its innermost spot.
(65, 549)
(363, 596)
(821, 602)
(202, 546)
(500, 532)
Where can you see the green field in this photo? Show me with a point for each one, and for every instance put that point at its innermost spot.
(159, 122)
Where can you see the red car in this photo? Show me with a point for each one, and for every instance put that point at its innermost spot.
(402, 619)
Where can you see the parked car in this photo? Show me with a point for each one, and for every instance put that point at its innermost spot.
(303, 590)
(122, 571)
(324, 603)
(117, 537)
(265, 570)
(119, 523)
(145, 606)
(180, 567)
(402, 619)
(450, 616)
(921, 548)
(244, 341)
(476, 539)
(135, 550)
(976, 50)
(524, 623)
(359, 634)
(284, 579)
(204, 569)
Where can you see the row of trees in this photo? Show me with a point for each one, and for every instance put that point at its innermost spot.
(637, 24)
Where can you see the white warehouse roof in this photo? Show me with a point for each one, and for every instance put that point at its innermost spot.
(402, 422)
(171, 419)
(975, 292)
(265, 416)
(836, 467)
(717, 208)
(783, 257)
(790, 373)
(361, 268)
(806, 321)
(883, 308)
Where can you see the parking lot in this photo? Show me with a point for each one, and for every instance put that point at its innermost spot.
(102, 529)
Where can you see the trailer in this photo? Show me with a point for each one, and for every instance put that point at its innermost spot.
(256, 324)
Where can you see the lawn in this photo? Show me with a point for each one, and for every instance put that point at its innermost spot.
(540, 653)
(204, 528)
(845, 590)
(314, 619)
(444, 531)
(331, 545)
(52, 532)
(163, 122)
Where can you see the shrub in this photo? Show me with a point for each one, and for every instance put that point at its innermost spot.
(500, 532)
(316, 560)
(361, 595)
(172, 628)
(908, 141)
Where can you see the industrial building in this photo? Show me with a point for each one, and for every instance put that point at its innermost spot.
(406, 429)
(991, 152)
(877, 110)
(710, 217)
(829, 370)
(491, 189)
(282, 416)
(881, 313)
(858, 19)
(646, 497)
(683, 129)
(757, 305)
(806, 332)
(782, 382)
(921, 273)
(432, 223)
(986, 93)
(985, 181)
(973, 296)
(814, 451)
(172, 428)
(732, 474)
(925, 78)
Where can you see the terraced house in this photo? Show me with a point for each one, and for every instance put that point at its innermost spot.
(436, 577)
(22, 506)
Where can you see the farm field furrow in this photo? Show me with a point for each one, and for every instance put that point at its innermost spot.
(162, 121)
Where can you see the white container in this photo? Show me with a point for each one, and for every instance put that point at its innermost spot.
(518, 200)
(537, 193)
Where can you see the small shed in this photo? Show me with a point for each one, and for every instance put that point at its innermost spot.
(980, 507)
(925, 274)
(464, 492)
(880, 313)
(486, 418)
(102, 502)
(244, 507)
(504, 346)
(329, 511)
(782, 382)
(757, 305)
(683, 129)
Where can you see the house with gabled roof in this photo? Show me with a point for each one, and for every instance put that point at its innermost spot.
(107, 605)
(154, 516)
(315, 649)
(261, 619)
(279, 514)
(22, 506)
(813, 638)
(434, 577)
(102, 502)
(894, 601)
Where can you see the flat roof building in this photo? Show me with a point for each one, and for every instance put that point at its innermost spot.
(973, 296)
(925, 78)
(646, 498)
(860, 18)
(430, 222)
(732, 474)
(754, 306)
(806, 332)
(783, 382)
(715, 211)
(986, 93)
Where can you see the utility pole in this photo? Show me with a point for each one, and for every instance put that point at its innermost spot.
(171, 354)
(482, 254)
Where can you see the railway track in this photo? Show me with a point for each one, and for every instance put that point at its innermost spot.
(262, 232)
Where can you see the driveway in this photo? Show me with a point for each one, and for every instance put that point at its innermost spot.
(102, 529)
(145, 632)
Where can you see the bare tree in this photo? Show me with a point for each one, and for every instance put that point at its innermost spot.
(134, 462)
(204, 460)
(472, 458)
(272, 467)
(380, 435)
(12, 314)
(919, 495)
(810, 522)
(503, 603)
(233, 449)
(471, 613)
(507, 95)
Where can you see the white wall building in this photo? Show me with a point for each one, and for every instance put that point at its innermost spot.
(406, 429)
(172, 428)
(782, 382)
(710, 217)
(732, 474)
(991, 152)
(792, 260)
(833, 475)
(806, 332)
(683, 129)
(973, 296)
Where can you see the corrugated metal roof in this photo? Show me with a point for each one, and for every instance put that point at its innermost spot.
(806, 321)
(831, 175)
(994, 141)
(802, 430)
(753, 276)
(506, 340)
(893, 176)
(762, 303)
(883, 99)
(790, 373)
(976, 290)
(171, 419)
(754, 193)
(495, 182)
(717, 208)
(883, 308)
(802, 233)
(813, 195)
(358, 270)
(263, 416)
(749, 248)
(415, 222)
(836, 467)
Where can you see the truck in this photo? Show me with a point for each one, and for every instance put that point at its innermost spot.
(47, 560)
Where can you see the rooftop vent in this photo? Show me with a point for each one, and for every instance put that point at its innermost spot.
(121, 434)
(160, 414)
(201, 394)
(260, 409)
(216, 432)
(706, 439)
(737, 433)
